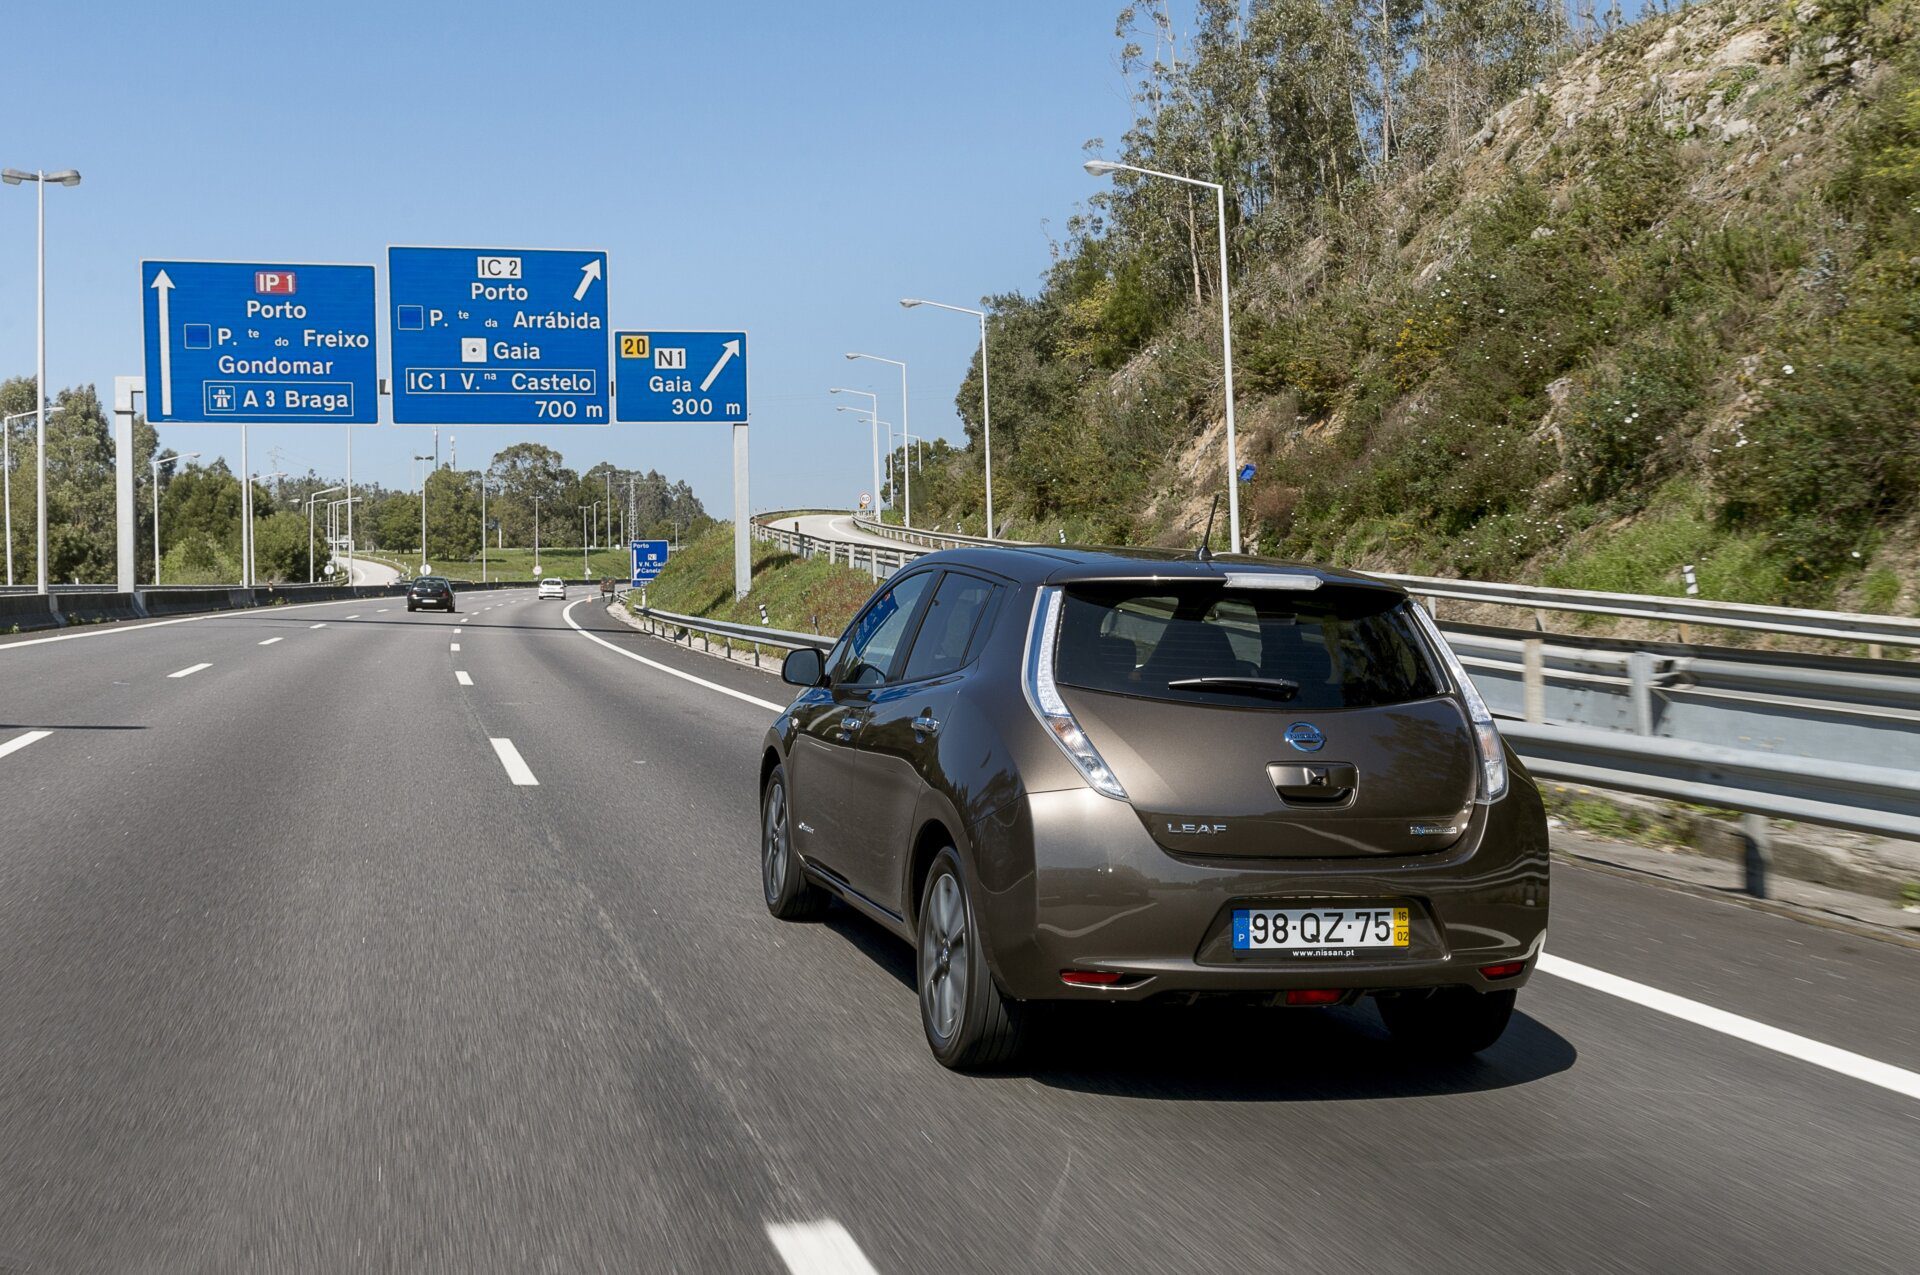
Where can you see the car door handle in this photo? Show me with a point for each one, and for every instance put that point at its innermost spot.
(926, 724)
(849, 723)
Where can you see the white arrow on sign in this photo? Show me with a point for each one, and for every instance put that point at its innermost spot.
(727, 352)
(588, 273)
(164, 286)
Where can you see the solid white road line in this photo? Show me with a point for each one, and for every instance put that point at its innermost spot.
(269, 641)
(517, 769)
(818, 1248)
(1857, 1066)
(18, 742)
(767, 704)
(189, 672)
(460, 676)
(453, 646)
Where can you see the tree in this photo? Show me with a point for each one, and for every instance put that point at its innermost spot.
(453, 515)
(520, 474)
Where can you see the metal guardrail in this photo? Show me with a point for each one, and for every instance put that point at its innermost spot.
(679, 628)
(877, 560)
(1845, 626)
(1807, 738)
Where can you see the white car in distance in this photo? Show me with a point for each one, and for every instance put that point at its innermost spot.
(552, 587)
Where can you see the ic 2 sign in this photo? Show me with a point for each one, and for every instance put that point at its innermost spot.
(498, 336)
(669, 378)
(649, 559)
(254, 343)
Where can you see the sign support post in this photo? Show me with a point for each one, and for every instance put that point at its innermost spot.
(124, 388)
(742, 543)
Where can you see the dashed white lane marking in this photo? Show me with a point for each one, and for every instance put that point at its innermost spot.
(269, 641)
(1845, 1062)
(354, 616)
(18, 742)
(460, 676)
(517, 769)
(190, 671)
(383, 610)
(769, 705)
(456, 632)
(453, 646)
(818, 1248)
(321, 625)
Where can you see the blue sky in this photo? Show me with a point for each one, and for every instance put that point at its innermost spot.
(791, 169)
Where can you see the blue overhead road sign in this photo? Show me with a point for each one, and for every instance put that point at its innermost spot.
(257, 343)
(649, 559)
(665, 378)
(498, 336)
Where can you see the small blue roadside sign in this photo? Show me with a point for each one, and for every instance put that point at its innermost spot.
(258, 343)
(670, 378)
(649, 559)
(498, 336)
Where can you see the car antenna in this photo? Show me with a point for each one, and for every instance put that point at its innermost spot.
(1205, 552)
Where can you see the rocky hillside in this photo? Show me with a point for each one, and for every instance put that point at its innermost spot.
(1663, 307)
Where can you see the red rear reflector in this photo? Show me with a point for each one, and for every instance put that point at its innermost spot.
(1506, 969)
(1089, 978)
(1315, 996)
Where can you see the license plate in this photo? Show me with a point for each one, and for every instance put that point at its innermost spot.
(1317, 929)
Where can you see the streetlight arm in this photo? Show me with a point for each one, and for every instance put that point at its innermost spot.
(1101, 167)
(910, 302)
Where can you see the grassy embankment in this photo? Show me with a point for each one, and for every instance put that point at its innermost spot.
(810, 595)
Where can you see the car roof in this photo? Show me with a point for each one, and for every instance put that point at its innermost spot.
(1077, 564)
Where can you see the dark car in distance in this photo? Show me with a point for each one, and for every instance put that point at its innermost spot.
(430, 591)
(1085, 775)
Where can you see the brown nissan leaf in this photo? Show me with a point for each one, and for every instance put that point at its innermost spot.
(1073, 775)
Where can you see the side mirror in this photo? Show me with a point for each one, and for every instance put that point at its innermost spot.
(804, 667)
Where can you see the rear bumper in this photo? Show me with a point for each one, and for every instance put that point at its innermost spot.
(1071, 880)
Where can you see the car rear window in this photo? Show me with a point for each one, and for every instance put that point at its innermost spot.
(1337, 647)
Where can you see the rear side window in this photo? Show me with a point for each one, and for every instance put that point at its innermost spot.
(1331, 648)
(946, 635)
(868, 652)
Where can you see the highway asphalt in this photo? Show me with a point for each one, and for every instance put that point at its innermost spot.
(297, 972)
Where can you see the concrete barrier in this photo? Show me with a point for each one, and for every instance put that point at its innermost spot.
(97, 608)
(24, 611)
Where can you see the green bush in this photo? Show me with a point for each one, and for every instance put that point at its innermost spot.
(1623, 425)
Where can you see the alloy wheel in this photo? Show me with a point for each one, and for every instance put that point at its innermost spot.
(944, 957)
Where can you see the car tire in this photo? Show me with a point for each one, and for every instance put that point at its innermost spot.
(970, 1024)
(1453, 1022)
(409, 608)
(783, 881)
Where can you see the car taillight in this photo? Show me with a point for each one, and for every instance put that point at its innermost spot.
(1090, 978)
(1486, 736)
(1043, 696)
(1506, 969)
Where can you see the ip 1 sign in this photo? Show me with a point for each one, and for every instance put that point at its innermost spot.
(254, 343)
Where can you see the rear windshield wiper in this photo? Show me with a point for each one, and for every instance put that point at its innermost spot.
(1278, 687)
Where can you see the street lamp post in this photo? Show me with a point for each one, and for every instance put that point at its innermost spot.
(65, 177)
(872, 409)
(1102, 167)
(6, 464)
(156, 462)
(986, 400)
(907, 517)
(536, 535)
(482, 474)
(423, 520)
(311, 498)
(583, 537)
